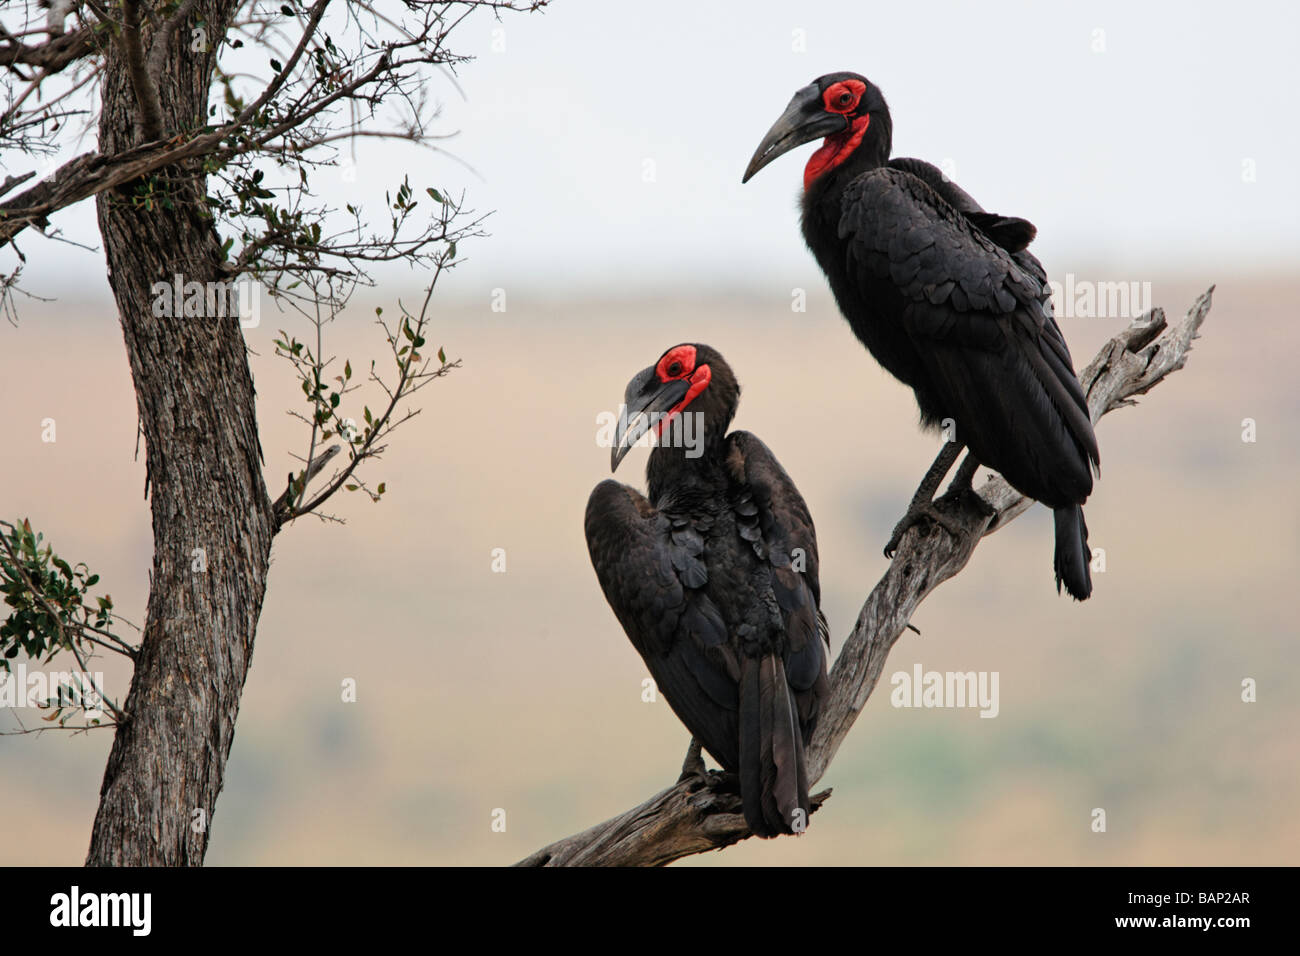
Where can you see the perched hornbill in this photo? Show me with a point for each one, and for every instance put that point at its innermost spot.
(714, 579)
(949, 301)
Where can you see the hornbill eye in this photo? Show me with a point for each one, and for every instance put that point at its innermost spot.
(843, 97)
(676, 363)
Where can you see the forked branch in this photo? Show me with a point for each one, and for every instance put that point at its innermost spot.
(703, 813)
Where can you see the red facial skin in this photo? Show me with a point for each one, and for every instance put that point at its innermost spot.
(683, 357)
(842, 98)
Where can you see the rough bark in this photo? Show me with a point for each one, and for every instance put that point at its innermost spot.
(195, 398)
(699, 814)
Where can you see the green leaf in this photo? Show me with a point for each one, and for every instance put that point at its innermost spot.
(442, 356)
(275, 65)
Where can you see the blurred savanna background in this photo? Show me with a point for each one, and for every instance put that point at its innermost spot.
(610, 142)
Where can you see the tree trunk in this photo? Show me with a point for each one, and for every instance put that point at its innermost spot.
(195, 397)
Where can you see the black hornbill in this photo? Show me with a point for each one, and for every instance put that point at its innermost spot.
(949, 300)
(714, 579)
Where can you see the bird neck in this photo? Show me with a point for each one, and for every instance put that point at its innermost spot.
(683, 464)
(842, 157)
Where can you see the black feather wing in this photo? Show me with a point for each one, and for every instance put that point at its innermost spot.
(787, 540)
(654, 576)
(981, 319)
(1010, 232)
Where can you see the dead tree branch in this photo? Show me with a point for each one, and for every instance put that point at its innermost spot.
(51, 56)
(703, 813)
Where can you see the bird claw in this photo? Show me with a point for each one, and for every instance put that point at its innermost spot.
(918, 512)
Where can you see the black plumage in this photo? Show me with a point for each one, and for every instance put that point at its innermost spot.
(949, 300)
(714, 578)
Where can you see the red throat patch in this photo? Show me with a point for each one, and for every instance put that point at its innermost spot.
(835, 150)
(699, 382)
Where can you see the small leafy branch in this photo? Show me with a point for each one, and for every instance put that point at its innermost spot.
(367, 438)
(51, 611)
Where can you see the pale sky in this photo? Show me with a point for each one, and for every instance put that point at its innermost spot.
(1127, 132)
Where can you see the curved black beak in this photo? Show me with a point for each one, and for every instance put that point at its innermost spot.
(803, 121)
(645, 403)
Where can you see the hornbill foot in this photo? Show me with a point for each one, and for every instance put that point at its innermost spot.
(961, 492)
(963, 497)
(965, 475)
(917, 512)
(693, 765)
(922, 506)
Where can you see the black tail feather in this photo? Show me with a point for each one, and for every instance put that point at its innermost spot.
(1072, 553)
(773, 780)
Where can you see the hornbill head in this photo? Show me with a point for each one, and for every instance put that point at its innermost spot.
(686, 376)
(847, 109)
